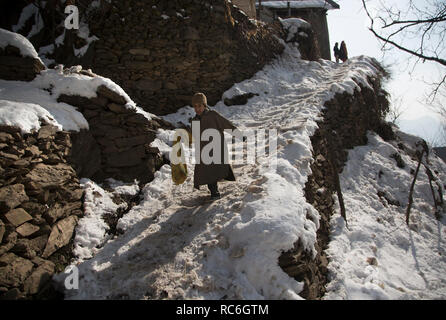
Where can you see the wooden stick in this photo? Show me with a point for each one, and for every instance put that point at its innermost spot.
(431, 178)
(336, 180)
(409, 206)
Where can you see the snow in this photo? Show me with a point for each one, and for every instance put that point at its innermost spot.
(18, 41)
(410, 261)
(24, 94)
(181, 117)
(178, 244)
(27, 12)
(44, 52)
(292, 25)
(84, 33)
(26, 116)
(301, 4)
(44, 91)
(91, 231)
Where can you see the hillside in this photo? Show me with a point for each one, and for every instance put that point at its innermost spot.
(319, 212)
(175, 246)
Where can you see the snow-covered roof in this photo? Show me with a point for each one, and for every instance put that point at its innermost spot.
(300, 4)
(18, 41)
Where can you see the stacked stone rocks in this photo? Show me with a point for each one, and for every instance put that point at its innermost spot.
(162, 52)
(346, 120)
(118, 142)
(40, 194)
(15, 67)
(40, 203)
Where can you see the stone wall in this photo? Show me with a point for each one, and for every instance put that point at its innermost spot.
(346, 120)
(15, 67)
(162, 52)
(40, 203)
(40, 195)
(118, 142)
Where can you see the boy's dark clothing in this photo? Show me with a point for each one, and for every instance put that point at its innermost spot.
(211, 173)
(213, 188)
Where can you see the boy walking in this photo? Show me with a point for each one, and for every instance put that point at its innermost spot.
(215, 171)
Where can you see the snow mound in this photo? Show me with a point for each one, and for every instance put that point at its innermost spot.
(44, 91)
(18, 41)
(25, 116)
(292, 25)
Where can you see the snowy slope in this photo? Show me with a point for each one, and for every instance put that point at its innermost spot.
(380, 257)
(176, 245)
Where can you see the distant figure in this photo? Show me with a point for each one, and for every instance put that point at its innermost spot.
(336, 52)
(343, 54)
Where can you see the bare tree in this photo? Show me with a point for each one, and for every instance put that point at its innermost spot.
(415, 27)
(396, 110)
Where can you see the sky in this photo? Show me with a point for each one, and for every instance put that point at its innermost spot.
(408, 86)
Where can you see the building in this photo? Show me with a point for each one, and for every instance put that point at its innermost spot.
(312, 11)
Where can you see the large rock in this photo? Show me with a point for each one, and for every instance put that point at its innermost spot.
(12, 196)
(128, 158)
(47, 131)
(85, 154)
(18, 216)
(19, 68)
(39, 278)
(30, 248)
(60, 235)
(61, 210)
(49, 176)
(111, 95)
(14, 270)
(27, 229)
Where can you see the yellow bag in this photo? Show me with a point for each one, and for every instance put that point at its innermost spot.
(179, 171)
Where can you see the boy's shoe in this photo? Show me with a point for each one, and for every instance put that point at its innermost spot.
(215, 196)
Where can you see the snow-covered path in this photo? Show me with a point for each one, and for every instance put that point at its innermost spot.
(176, 245)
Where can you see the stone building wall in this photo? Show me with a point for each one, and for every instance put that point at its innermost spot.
(162, 52)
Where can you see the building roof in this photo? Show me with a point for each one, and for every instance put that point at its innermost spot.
(300, 4)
